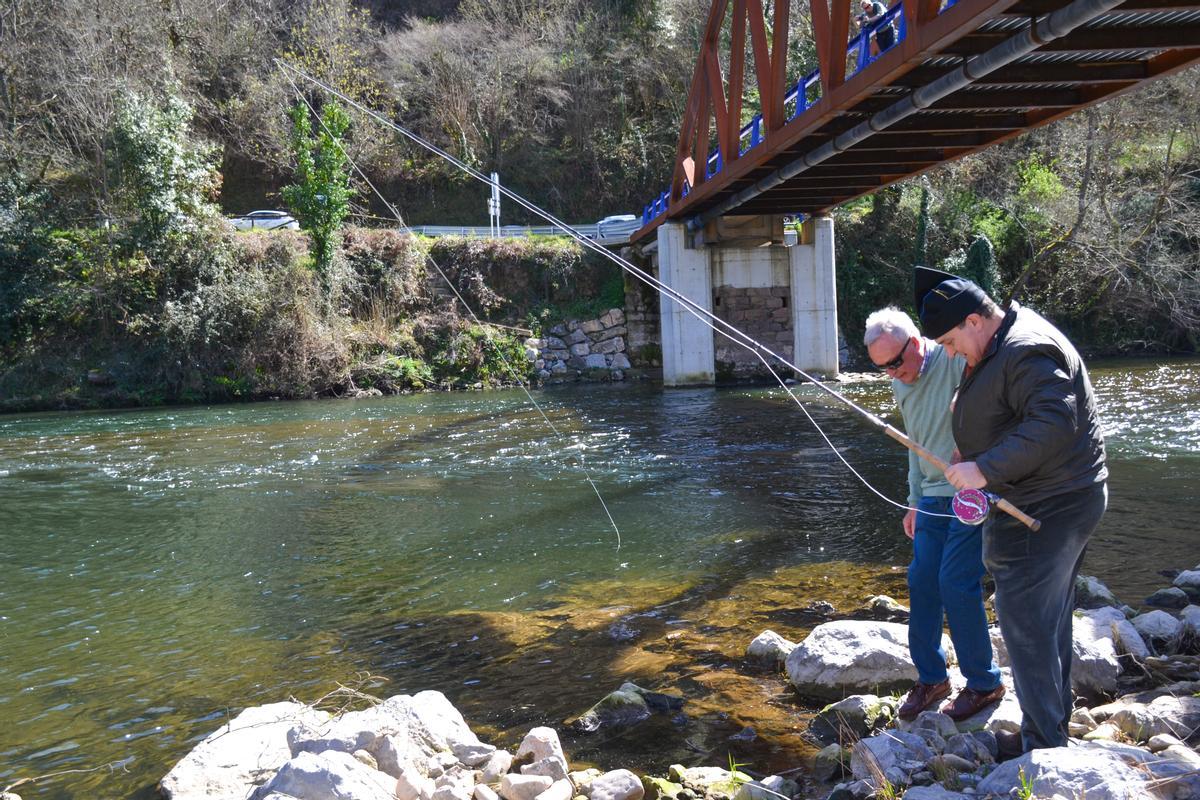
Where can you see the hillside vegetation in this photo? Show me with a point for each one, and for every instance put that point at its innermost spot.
(128, 128)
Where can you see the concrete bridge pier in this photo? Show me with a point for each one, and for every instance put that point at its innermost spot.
(739, 269)
(814, 298)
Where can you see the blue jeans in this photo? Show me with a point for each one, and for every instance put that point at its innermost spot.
(944, 580)
(1035, 595)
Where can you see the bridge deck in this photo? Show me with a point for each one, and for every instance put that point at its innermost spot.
(1136, 42)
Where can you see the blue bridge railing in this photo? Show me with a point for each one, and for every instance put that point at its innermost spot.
(800, 98)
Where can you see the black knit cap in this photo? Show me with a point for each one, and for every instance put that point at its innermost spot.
(943, 300)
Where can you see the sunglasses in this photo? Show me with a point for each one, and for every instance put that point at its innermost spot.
(895, 362)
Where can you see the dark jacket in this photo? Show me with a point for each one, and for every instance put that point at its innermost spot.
(1026, 414)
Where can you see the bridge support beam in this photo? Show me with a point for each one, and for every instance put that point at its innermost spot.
(784, 297)
(814, 298)
(687, 343)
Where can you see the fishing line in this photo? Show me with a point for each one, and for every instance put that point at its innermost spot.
(703, 315)
(484, 326)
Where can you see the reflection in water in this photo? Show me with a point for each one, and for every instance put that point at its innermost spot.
(163, 567)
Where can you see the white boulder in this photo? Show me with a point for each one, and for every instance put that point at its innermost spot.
(332, 775)
(619, 784)
(523, 787)
(559, 790)
(1188, 580)
(1074, 772)
(1177, 716)
(402, 730)
(770, 647)
(1190, 617)
(854, 657)
(772, 787)
(1098, 637)
(541, 743)
(496, 766)
(239, 755)
(412, 785)
(894, 754)
(1157, 625)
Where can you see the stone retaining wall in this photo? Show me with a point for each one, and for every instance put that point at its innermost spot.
(643, 342)
(760, 312)
(592, 349)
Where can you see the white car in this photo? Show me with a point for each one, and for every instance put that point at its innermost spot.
(617, 225)
(266, 220)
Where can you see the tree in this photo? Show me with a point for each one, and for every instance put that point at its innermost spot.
(981, 265)
(167, 179)
(320, 196)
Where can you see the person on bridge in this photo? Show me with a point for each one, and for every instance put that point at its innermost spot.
(1026, 424)
(885, 35)
(944, 578)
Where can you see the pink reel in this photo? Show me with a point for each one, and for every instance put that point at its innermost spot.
(971, 506)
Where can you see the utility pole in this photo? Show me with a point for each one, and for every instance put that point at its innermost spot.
(494, 205)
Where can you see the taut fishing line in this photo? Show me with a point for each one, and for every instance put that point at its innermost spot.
(703, 315)
(486, 327)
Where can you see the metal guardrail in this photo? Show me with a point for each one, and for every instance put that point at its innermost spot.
(798, 99)
(601, 233)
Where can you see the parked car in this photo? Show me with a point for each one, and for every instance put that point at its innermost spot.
(266, 220)
(617, 225)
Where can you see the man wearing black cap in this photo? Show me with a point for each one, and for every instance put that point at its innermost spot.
(1026, 426)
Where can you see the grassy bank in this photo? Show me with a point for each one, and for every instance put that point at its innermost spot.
(212, 316)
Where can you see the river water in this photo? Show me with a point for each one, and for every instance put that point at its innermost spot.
(163, 569)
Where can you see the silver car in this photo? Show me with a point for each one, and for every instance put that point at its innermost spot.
(265, 220)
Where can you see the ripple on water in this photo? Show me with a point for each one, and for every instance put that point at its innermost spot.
(229, 557)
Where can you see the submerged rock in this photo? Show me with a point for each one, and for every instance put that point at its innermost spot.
(624, 708)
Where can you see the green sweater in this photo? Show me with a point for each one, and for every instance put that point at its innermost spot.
(925, 407)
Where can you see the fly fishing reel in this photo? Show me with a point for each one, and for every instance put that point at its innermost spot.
(971, 506)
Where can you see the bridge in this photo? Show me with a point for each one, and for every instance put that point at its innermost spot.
(960, 76)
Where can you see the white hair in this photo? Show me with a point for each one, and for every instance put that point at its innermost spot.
(892, 322)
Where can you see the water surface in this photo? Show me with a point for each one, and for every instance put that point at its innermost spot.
(164, 568)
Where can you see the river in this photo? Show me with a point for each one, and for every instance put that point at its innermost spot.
(165, 568)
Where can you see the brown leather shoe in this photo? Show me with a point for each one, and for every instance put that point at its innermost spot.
(921, 696)
(970, 702)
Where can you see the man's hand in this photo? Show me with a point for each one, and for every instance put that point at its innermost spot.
(910, 523)
(965, 475)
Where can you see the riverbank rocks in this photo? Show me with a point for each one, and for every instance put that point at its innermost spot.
(1092, 593)
(714, 783)
(854, 657)
(593, 349)
(1099, 637)
(1173, 710)
(1092, 771)
(849, 720)
(1158, 628)
(1173, 597)
(240, 755)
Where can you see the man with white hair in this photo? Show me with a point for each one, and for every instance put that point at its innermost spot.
(944, 578)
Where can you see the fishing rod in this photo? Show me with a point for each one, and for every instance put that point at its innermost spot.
(973, 504)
